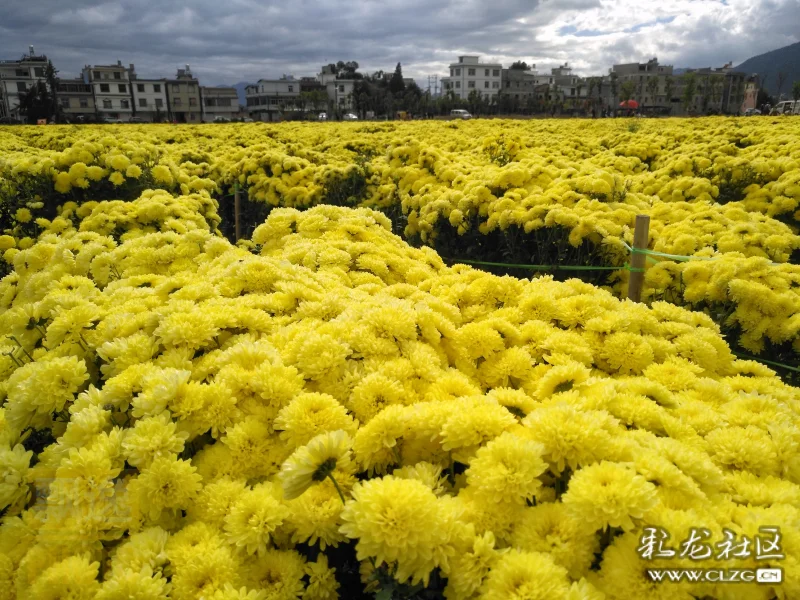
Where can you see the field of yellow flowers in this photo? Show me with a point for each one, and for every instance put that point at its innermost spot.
(327, 409)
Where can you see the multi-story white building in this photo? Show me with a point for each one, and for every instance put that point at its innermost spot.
(340, 91)
(469, 74)
(16, 78)
(219, 102)
(149, 98)
(111, 87)
(268, 98)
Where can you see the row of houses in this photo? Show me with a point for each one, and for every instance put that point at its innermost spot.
(117, 92)
(654, 86)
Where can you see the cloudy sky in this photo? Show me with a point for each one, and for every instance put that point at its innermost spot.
(243, 40)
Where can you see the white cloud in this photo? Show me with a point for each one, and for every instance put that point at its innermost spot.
(238, 40)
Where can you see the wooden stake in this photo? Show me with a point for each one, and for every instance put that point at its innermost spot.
(236, 209)
(641, 236)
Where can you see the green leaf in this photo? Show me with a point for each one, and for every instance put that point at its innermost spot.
(385, 594)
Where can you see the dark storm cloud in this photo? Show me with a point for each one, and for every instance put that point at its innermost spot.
(237, 40)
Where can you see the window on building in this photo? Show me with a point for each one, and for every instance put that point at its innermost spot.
(571, 91)
(140, 87)
(341, 89)
(104, 87)
(65, 102)
(458, 72)
(508, 84)
(486, 72)
(125, 103)
(341, 101)
(192, 101)
(486, 84)
(157, 88)
(84, 103)
(21, 73)
(22, 86)
(123, 89)
(175, 87)
(191, 116)
(495, 85)
(117, 75)
(496, 73)
(471, 84)
(291, 88)
(159, 102)
(471, 72)
(177, 102)
(38, 71)
(451, 72)
(223, 102)
(143, 102)
(106, 103)
(458, 84)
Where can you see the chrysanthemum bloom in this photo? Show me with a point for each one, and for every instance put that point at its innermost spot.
(466, 571)
(74, 577)
(168, 483)
(322, 584)
(525, 576)
(310, 414)
(315, 462)
(254, 516)
(609, 494)
(141, 585)
(507, 468)
(550, 528)
(315, 516)
(151, 438)
(278, 572)
(395, 521)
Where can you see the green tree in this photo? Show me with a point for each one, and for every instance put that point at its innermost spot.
(689, 90)
(36, 103)
(519, 65)
(669, 87)
(796, 91)
(51, 77)
(396, 83)
(614, 80)
(652, 88)
(780, 80)
(627, 90)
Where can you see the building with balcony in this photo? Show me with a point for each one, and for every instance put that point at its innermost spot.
(219, 102)
(76, 99)
(268, 99)
(16, 78)
(111, 88)
(470, 75)
(149, 98)
(183, 98)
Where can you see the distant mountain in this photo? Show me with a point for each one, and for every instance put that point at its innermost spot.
(239, 90)
(768, 65)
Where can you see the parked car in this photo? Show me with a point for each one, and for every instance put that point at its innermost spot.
(110, 121)
(751, 112)
(322, 116)
(459, 113)
(220, 120)
(350, 117)
(136, 120)
(247, 120)
(786, 107)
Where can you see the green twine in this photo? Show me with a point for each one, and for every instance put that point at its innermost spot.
(767, 362)
(536, 267)
(678, 257)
